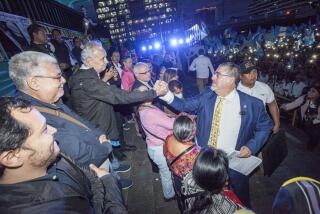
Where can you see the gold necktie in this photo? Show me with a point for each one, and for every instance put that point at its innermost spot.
(214, 133)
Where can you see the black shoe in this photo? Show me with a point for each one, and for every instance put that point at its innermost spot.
(125, 183)
(128, 147)
(119, 155)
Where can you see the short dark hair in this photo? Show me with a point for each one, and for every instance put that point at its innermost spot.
(34, 28)
(125, 58)
(174, 83)
(233, 69)
(201, 52)
(183, 128)
(115, 51)
(210, 170)
(74, 39)
(56, 30)
(12, 132)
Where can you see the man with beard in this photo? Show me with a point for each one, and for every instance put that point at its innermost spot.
(34, 178)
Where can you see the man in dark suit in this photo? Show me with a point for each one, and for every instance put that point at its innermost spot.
(143, 76)
(229, 120)
(39, 39)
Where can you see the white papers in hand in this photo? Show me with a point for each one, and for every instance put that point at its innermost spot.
(243, 165)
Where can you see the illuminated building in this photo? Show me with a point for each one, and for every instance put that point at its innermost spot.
(137, 20)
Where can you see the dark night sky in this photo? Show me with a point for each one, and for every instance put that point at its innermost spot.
(190, 6)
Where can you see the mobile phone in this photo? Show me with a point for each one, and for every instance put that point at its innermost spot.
(109, 65)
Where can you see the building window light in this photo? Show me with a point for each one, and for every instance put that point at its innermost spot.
(101, 4)
(101, 16)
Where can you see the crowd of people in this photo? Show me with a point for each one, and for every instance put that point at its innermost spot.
(62, 135)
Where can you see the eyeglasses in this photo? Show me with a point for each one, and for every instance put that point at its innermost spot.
(225, 75)
(148, 71)
(59, 77)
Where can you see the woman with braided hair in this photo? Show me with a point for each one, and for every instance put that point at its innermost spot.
(180, 151)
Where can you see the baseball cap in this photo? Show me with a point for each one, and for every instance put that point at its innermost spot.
(246, 67)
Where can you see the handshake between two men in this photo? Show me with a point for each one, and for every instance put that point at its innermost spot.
(161, 88)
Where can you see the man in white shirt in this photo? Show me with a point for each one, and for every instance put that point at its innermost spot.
(297, 86)
(201, 65)
(260, 90)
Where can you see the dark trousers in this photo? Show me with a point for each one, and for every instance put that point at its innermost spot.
(240, 186)
(313, 132)
(120, 121)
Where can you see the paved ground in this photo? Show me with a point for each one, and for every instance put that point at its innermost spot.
(146, 197)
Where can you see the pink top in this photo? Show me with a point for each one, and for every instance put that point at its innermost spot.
(156, 124)
(127, 79)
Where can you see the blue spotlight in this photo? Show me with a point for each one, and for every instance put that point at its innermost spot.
(150, 47)
(187, 40)
(157, 45)
(173, 42)
(143, 48)
(180, 41)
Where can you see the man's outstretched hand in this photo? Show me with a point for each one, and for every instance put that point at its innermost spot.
(161, 88)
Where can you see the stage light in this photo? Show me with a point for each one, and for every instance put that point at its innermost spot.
(173, 42)
(150, 47)
(180, 41)
(143, 48)
(187, 40)
(157, 45)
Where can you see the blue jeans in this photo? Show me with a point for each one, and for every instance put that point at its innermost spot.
(156, 154)
(114, 164)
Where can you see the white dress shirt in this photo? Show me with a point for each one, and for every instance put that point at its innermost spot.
(118, 67)
(260, 90)
(201, 65)
(230, 122)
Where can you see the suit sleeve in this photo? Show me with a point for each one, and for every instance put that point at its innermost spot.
(94, 129)
(190, 105)
(113, 95)
(83, 153)
(262, 130)
(113, 201)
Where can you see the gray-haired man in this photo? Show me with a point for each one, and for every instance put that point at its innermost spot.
(38, 79)
(93, 98)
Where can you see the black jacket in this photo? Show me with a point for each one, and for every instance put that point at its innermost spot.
(61, 52)
(76, 51)
(93, 99)
(79, 143)
(48, 195)
(44, 48)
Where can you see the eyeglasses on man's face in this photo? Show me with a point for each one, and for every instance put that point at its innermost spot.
(58, 77)
(148, 71)
(218, 74)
